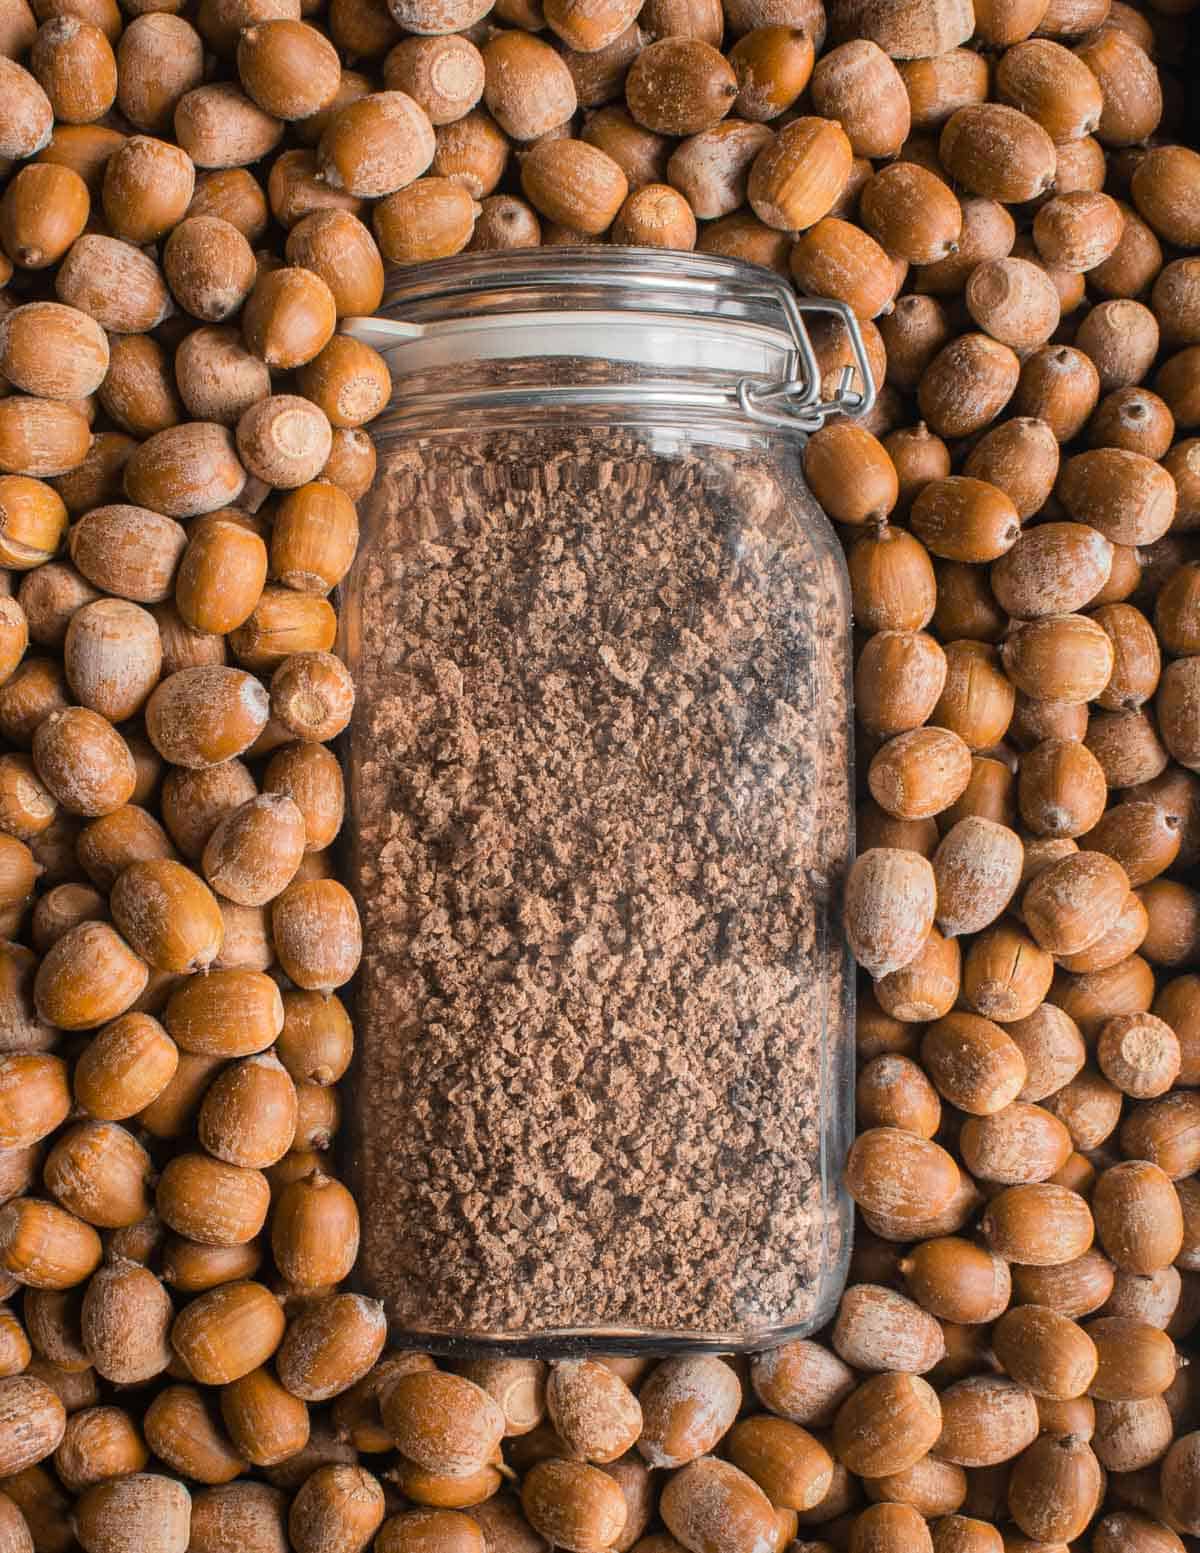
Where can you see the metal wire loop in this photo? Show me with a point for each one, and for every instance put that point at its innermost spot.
(795, 403)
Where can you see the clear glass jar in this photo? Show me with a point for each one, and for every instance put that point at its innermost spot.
(599, 784)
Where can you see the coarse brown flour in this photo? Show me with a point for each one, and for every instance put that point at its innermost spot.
(600, 781)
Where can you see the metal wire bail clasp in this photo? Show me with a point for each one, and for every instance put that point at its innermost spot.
(795, 403)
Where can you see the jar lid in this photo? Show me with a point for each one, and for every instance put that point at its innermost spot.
(653, 308)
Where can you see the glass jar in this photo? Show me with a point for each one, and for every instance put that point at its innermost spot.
(599, 788)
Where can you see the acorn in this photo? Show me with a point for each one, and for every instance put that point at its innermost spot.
(889, 910)
(965, 607)
(1038, 1223)
(1055, 568)
(1061, 789)
(90, 976)
(687, 1405)
(956, 1280)
(1075, 1288)
(1090, 999)
(927, 987)
(314, 1232)
(1006, 973)
(337, 1503)
(203, 716)
(1136, 1360)
(1055, 1488)
(986, 1420)
(168, 915)
(145, 1509)
(1122, 1528)
(892, 581)
(191, 1267)
(1059, 385)
(248, 1116)
(899, 678)
(1133, 265)
(895, 1524)
(44, 1247)
(850, 474)
(914, 1421)
(1176, 695)
(916, 31)
(978, 868)
(1078, 231)
(1064, 657)
(900, 1175)
(1122, 338)
(679, 86)
(438, 1491)
(1180, 1485)
(987, 232)
(1090, 1108)
(595, 1414)
(967, 384)
(938, 86)
(973, 1063)
(773, 65)
(1132, 102)
(998, 152)
(834, 258)
(1054, 87)
(857, 85)
(1014, 301)
(966, 1534)
(228, 1331)
(878, 1329)
(1045, 1351)
(801, 1381)
(797, 178)
(963, 519)
(265, 1423)
(125, 1321)
(1127, 496)
(1138, 1217)
(99, 1443)
(912, 213)
(210, 1201)
(330, 1346)
(1128, 933)
(577, 1506)
(101, 1173)
(920, 773)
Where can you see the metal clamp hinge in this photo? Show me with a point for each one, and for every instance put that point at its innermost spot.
(795, 403)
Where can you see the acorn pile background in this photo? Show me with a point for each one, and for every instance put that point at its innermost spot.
(192, 196)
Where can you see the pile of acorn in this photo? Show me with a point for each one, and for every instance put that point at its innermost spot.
(193, 194)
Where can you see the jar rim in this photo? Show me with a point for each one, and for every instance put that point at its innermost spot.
(670, 346)
(653, 308)
(588, 277)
